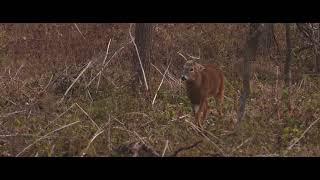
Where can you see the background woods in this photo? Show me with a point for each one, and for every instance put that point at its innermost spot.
(115, 89)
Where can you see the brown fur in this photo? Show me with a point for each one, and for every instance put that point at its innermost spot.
(203, 81)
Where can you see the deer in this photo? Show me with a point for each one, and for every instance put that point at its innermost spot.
(202, 82)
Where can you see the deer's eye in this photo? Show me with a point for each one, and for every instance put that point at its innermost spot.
(191, 69)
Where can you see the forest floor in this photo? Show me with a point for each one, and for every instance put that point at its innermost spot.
(41, 116)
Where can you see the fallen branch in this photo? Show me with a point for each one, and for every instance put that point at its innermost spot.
(185, 148)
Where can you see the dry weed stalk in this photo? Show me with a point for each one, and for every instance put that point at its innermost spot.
(141, 66)
(74, 81)
(79, 31)
(206, 137)
(46, 136)
(99, 131)
(164, 74)
(296, 140)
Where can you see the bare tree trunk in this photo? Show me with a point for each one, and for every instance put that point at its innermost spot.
(317, 68)
(250, 55)
(287, 78)
(317, 53)
(312, 32)
(267, 38)
(143, 39)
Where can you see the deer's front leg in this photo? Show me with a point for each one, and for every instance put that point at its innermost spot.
(196, 112)
(205, 110)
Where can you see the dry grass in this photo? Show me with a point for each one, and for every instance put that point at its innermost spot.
(99, 113)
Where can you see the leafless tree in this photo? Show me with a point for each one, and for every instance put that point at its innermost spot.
(143, 40)
(250, 55)
(311, 33)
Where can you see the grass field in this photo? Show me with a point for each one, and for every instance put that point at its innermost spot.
(43, 113)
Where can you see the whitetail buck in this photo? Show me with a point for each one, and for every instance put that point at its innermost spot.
(203, 81)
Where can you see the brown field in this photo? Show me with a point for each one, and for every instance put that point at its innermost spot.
(57, 99)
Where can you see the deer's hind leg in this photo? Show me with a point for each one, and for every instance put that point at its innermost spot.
(195, 109)
(219, 101)
(198, 110)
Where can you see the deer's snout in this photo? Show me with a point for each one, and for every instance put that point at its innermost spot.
(183, 78)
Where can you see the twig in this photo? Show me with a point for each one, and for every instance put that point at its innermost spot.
(14, 135)
(45, 136)
(117, 120)
(98, 80)
(94, 123)
(135, 45)
(184, 116)
(195, 127)
(143, 125)
(105, 58)
(244, 142)
(201, 131)
(302, 135)
(141, 113)
(160, 71)
(48, 82)
(165, 148)
(193, 57)
(164, 74)
(59, 116)
(18, 71)
(12, 113)
(104, 66)
(108, 79)
(79, 31)
(185, 148)
(99, 131)
(9, 100)
(88, 65)
(134, 132)
(29, 114)
(109, 134)
(90, 96)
